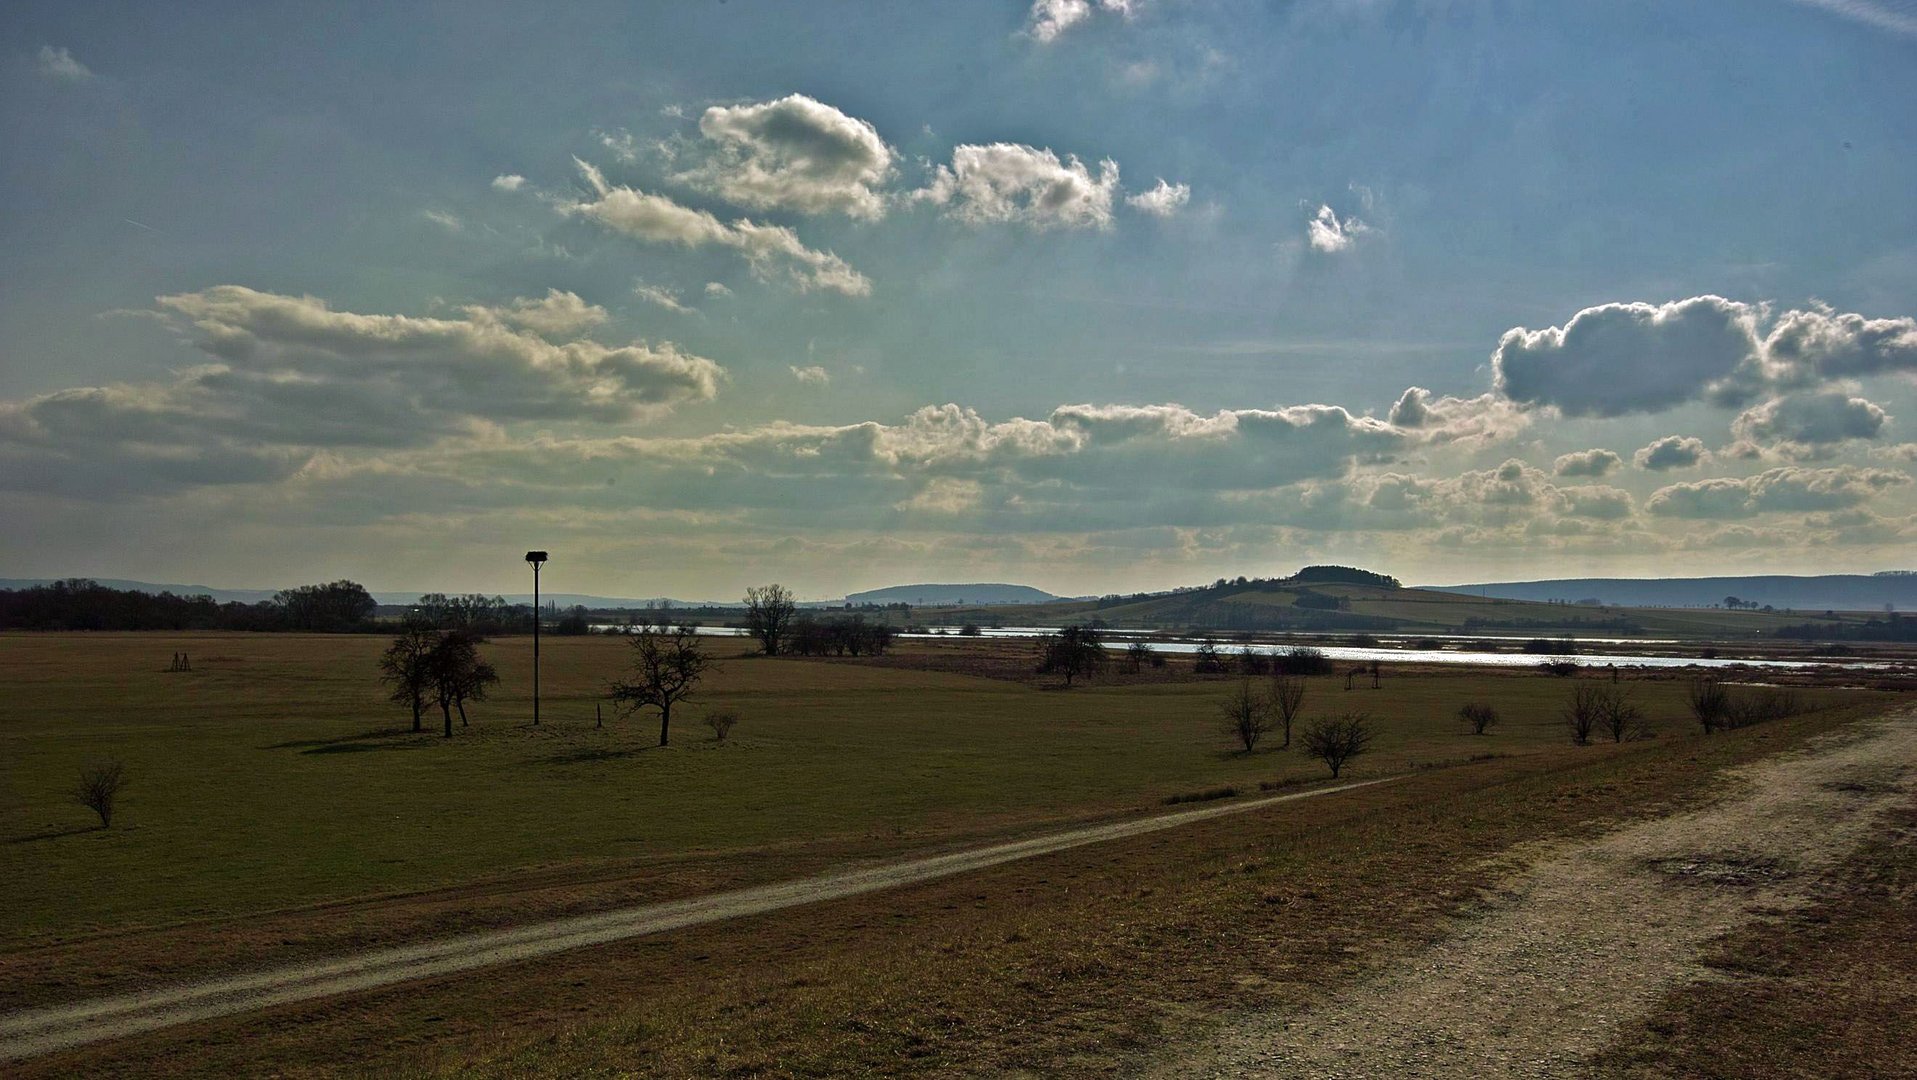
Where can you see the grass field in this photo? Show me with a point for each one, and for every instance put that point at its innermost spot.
(274, 774)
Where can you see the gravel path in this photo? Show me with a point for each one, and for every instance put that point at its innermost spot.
(30, 1033)
(1585, 941)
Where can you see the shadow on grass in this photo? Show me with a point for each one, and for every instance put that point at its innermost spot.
(54, 834)
(380, 733)
(362, 747)
(594, 753)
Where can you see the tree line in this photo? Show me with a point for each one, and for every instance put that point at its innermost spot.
(336, 607)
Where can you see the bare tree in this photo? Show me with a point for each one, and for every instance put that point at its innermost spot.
(1710, 702)
(721, 723)
(99, 786)
(769, 612)
(1247, 716)
(1287, 695)
(406, 668)
(1479, 717)
(1585, 709)
(1336, 742)
(666, 669)
(1073, 651)
(1137, 655)
(458, 674)
(1619, 716)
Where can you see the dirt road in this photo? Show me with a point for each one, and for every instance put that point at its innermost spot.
(1547, 972)
(40, 1031)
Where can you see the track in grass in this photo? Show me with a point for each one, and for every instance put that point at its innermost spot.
(33, 1032)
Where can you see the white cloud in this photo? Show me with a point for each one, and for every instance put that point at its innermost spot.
(1163, 200)
(1587, 463)
(508, 182)
(663, 297)
(768, 249)
(1050, 18)
(555, 314)
(1614, 359)
(717, 289)
(1811, 420)
(813, 375)
(1329, 234)
(793, 154)
(1009, 182)
(1672, 452)
(1785, 490)
(445, 220)
(58, 63)
(1486, 418)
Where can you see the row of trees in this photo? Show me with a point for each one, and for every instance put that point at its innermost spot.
(85, 604)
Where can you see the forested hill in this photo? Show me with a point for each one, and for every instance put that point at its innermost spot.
(1840, 592)
(934, 595)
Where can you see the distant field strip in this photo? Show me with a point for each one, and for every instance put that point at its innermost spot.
(33, 1032)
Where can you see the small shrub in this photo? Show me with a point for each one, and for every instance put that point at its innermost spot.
(1710, 702)
(721, 723)
(1246, 716)
(1479, 717)
(1303, 660)
(1201, 796)
(1563, 669)
(99, 786)
(969, 630)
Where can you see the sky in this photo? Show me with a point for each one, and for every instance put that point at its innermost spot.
(1092, 295)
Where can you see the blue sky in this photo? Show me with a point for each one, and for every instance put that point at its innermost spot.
(1098, 295)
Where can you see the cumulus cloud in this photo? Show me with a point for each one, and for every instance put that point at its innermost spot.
(1614, 359)
(1783, 490)
(811, 375)
(1809, 421)
(768, 249)
(717, 289)
(1587, 463)
(556, 314)
(1328, 233)
(1050, 18)
(1671, 452)
(1486, 418)
(793, 154)
(1163, 200)
(1009, 182)
(58, 63)
(508, 182)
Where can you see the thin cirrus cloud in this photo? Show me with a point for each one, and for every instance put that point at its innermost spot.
(771, 250)
(1895, 16)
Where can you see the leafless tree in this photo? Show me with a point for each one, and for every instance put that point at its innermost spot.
(1621, 718)
(1137, 655)
(406, 667)
(1710, 702)
(1585, 711)
(769, 612)
(1336, 742)
(666, 669)
(459, 674)
(1246, 716)
(1286, 697)
(1073, 651)
(99, 786)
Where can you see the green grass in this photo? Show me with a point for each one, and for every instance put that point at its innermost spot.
(275, 775)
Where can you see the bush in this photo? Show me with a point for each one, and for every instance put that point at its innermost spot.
(1761, 704)
(1201, 796)
(1710, 702)
(1246, 716)
(1303, 660)
(99, 786)
(1479, 717)
(721, 723)
(1563, 669)
(1337, 742)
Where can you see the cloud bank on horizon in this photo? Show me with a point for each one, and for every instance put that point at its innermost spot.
(737, 327)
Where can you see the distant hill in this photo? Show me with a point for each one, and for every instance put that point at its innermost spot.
(1830, 592)
(938, 595)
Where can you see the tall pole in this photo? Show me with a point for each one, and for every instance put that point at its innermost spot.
(536, 644)
(536, 558)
